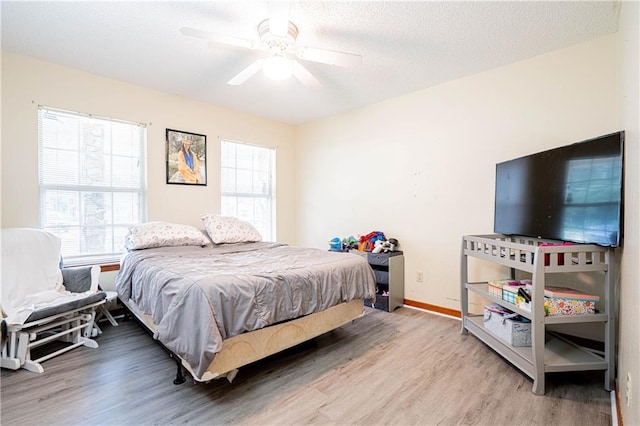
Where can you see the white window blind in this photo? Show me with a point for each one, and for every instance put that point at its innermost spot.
(92, 182)
(248, 185)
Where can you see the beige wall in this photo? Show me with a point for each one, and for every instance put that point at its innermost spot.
(421, 167)
(629, 324)
(27, 83)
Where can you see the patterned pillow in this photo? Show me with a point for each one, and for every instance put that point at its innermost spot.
(227, 229)
(163, 234)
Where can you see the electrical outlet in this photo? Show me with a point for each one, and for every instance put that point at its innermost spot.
(628, 390)
(419, 276)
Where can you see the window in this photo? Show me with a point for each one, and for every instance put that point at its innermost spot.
(92, 182)
(247, 185)
(592, 199)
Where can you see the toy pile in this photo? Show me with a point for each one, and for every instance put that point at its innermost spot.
(345, 244)
(374, 242)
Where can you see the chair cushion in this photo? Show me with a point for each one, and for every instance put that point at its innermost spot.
(67, 306)
(81, 279)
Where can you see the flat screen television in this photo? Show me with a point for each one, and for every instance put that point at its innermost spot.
(573, 193)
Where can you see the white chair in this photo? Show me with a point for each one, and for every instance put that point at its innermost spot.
(103, 311)
(42, 303)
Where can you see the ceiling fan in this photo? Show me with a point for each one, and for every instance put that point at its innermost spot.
(277, 36)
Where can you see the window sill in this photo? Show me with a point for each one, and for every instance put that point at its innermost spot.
(106, 264)
(107, 267)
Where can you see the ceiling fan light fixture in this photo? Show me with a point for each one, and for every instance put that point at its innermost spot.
(278, 36)
(277, 67)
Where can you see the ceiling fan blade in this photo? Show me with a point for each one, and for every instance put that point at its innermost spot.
(218, 39)
(330, 57)
(304, 76)
(246, 73)
(279, 18)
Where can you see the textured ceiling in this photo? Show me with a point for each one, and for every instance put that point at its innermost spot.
(406, 46)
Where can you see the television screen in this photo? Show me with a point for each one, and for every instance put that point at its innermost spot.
(572, 193)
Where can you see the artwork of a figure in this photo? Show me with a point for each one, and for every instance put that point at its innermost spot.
(186, 158)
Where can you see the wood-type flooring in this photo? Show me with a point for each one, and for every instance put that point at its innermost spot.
(404, 368)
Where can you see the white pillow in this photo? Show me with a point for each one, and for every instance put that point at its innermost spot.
(163, 234)
(227, 229)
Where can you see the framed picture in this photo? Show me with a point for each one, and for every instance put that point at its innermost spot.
(186, 155)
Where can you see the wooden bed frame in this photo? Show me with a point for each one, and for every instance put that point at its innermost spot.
(243, 349)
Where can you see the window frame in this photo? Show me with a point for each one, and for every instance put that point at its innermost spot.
(271, 195)
(139, 191)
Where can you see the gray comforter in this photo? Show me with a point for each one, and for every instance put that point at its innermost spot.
(199, 296)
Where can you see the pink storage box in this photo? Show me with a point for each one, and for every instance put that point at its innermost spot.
(496, 286)
(567, 301)
(558, 307)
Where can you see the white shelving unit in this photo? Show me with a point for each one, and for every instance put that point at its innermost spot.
(548, 352)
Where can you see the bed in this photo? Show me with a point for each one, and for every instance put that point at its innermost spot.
(222, 306)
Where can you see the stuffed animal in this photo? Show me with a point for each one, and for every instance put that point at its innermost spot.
(349, 243)
(385, 246)
(378, 246)
(335, 244)
(367, 242)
